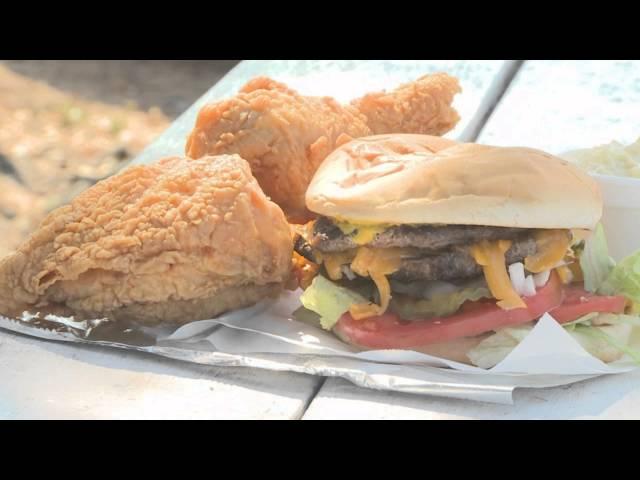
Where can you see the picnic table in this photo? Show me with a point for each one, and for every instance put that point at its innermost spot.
(551, 105)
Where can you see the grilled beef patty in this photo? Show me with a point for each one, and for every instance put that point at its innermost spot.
(327, 237)
(457, 263)
(444, 250)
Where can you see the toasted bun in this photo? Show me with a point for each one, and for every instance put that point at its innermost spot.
(420, 179)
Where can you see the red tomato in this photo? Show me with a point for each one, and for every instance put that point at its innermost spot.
(578, 302)
(390, 331)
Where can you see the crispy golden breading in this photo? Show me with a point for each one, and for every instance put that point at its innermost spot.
(285, 136)
(152, 240)
(422, 107)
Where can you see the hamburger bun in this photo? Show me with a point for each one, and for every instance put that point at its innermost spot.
(420, 179)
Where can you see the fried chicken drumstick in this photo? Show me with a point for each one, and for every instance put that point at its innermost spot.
(172, 242)
(285, 136)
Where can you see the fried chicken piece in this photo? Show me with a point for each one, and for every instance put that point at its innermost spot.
(422, 107)
(176, 241)
(285, 136)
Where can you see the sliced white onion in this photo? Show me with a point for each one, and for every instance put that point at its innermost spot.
(516, 274)
(541, 279)
(346, 270)
(529, 287)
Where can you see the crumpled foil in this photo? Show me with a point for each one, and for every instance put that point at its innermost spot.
(265, 336)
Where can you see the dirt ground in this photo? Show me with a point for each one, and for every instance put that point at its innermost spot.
(170, 85)
(66, 124)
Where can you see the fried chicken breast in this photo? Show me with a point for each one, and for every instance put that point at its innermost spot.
(172, 242)
(285, 136)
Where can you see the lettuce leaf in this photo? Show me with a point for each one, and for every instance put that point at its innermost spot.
(439, 305)
(624, 279)
(329, 300)
(595, 262)
(584, 320)
(605, 336)
(602, 275)
(492, 350)
(608, 342)
(615, 319)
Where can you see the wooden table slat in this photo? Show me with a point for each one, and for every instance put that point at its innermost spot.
(50, 380)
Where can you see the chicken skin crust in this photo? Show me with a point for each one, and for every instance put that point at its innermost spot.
(285, 136)
(172, 242)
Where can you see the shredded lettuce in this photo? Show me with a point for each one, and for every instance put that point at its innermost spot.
(585, 320)
(492, 350)
(615, 319)
(438, 305)
(329, 300)
(604, 276)
(607, 342)
(595, 262)
(624, 279)
(611, 159)
(605, 336)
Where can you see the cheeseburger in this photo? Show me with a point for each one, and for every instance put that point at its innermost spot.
(426, 244)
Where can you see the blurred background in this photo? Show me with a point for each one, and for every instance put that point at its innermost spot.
(65, 125)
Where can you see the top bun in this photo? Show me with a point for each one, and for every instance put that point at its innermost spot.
(420, 179)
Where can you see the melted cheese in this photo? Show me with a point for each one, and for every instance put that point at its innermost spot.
(579, 235)
(333, 262)
(552, 246)
(377, 260)
(365, 310)
(305, 231)
(576, 272)
(491, 257)
(376, 263)
(565, 274)
(361, 234)
(303, 272)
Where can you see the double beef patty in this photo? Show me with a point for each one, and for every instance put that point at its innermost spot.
(443, 250)
(457, 263)
(327, 237)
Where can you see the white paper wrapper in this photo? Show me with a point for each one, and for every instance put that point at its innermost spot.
(265, 336)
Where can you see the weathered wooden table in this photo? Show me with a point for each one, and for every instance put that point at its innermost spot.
(550, 105)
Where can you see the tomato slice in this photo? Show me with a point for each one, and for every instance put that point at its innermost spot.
(578, 302)
(389, 331)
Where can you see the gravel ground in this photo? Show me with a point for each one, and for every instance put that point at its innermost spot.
(66, 124)
(170, 85)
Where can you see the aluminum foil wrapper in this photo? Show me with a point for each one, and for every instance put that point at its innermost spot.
(266, 336)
